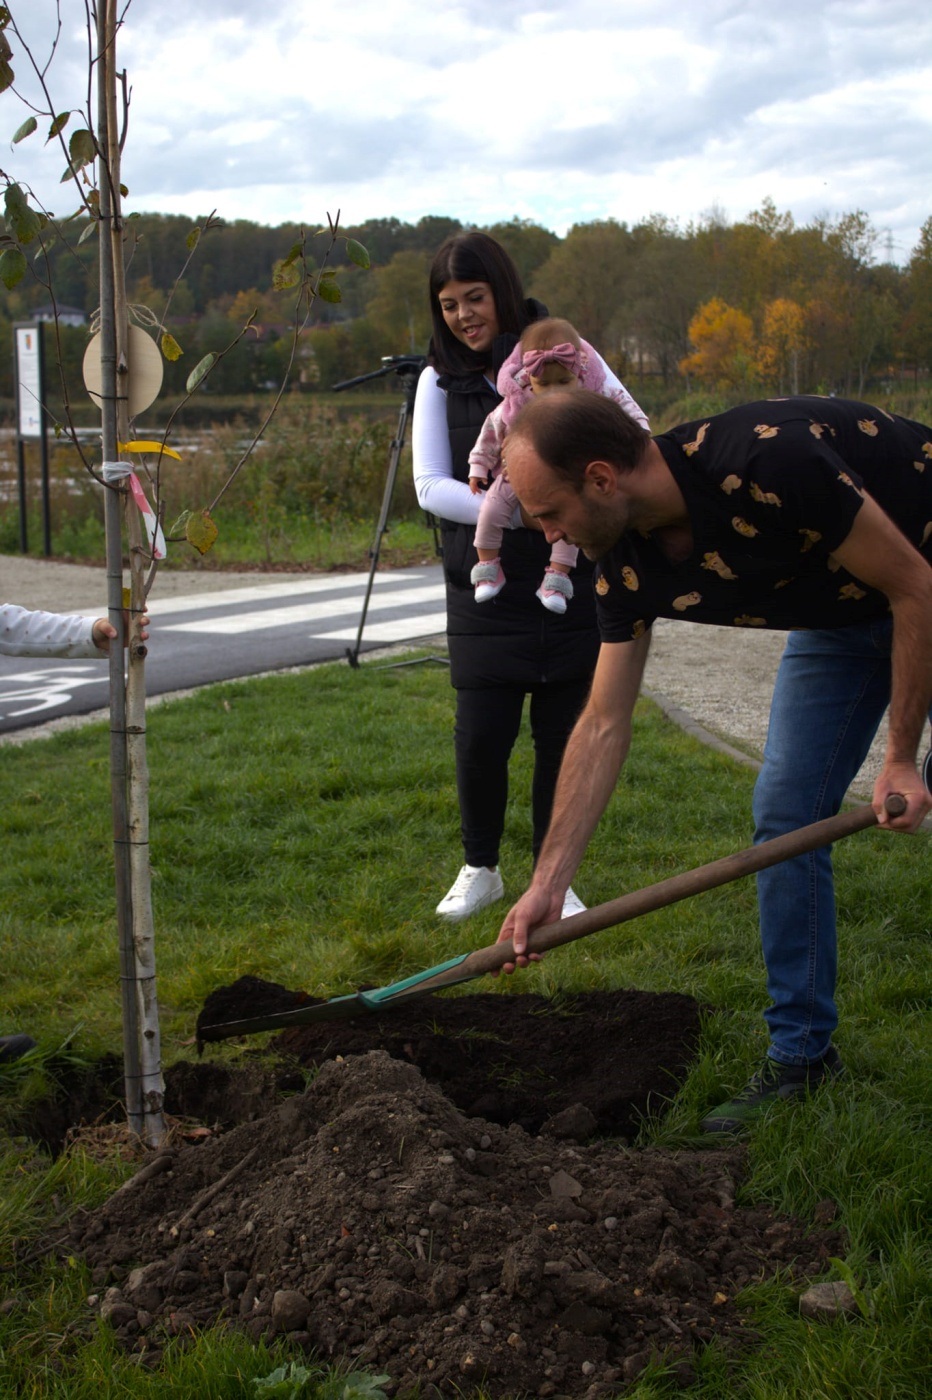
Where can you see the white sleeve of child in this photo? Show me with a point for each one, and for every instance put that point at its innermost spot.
(629, 404)
(27, 633)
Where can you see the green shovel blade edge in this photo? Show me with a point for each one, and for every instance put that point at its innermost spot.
(338, 1008)
(409, 986)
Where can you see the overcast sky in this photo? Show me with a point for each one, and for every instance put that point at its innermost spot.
(541, 109)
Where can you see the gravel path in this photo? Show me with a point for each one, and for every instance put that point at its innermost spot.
(721, 679)
(714, 681)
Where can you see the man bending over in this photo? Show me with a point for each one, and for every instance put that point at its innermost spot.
(807, 514)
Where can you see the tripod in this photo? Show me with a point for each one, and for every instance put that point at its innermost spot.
(408, 369)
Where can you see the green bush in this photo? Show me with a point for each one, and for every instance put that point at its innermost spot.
(319, 468)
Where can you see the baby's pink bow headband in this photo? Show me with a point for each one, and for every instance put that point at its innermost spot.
(533, 361)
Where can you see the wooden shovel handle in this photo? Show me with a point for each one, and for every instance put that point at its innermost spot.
(602, 916)
(704, 877)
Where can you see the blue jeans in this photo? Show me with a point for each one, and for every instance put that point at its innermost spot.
(831, 692)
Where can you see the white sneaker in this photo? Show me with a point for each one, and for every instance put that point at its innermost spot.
(473, 888)
(572, 904)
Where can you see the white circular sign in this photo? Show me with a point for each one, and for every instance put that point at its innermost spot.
(144, 378)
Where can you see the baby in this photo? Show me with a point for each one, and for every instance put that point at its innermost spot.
(549, 355)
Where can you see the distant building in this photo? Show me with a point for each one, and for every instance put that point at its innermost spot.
(67, 315)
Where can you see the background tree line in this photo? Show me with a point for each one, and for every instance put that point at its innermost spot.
(761, 304)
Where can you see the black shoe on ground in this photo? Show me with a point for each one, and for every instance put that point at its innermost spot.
(771, 1082)
(14, 1047)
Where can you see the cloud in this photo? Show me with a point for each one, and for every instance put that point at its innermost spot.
(486, 110)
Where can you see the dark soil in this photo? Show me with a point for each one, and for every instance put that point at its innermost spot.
(515, 1059)
(441, 1204)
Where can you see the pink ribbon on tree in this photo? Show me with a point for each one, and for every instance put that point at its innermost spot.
(122, 471)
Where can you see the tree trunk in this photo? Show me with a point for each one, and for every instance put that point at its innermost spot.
(128, 768)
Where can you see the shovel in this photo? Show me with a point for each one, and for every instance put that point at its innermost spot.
(601, 916)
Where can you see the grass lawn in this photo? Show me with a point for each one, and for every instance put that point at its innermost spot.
(303, 828)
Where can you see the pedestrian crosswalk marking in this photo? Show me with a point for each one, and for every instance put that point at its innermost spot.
(399, 629)
(300, 613)
(257, 593)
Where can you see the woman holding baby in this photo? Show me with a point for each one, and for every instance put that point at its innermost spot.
(514, 644)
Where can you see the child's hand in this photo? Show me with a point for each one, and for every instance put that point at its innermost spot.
(476, 484)
(104, 631)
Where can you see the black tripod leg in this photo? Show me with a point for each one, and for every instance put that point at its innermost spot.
(352, 653)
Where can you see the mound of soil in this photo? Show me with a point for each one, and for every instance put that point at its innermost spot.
(372, 1219)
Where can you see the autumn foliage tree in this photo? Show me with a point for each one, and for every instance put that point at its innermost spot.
(724, 351)
(918, 322)
(399, 309)
(589, 278)
(632, 290)
(783, 340)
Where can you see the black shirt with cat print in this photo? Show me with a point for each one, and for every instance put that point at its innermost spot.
(771, 489)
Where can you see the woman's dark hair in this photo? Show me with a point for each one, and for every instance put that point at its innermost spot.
(473, 257)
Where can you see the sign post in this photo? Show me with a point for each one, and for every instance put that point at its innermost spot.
(30, 422)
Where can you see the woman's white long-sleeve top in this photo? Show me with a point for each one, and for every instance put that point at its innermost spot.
(437, 489)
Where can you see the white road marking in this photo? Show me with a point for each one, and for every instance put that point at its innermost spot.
(195, 602)
(398, 630)
(27, 692)
(46, 688)
(302, 613)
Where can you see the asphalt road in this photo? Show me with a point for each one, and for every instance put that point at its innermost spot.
(242, 631)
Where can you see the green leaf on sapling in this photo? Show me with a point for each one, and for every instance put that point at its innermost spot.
(285, 275)
(81, 149)
(24, 222)
(12, 267)
(200, 371)
(357, 253)
(27, 128)
(200, 531)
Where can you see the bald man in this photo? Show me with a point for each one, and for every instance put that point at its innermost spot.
(806, 514)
